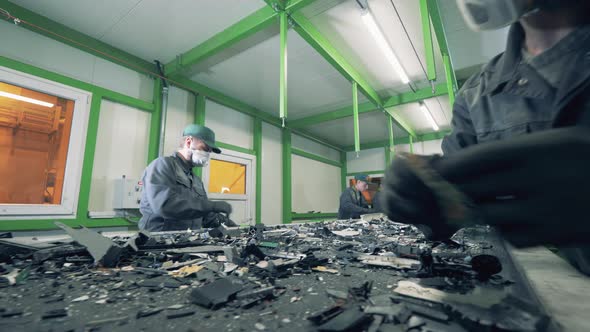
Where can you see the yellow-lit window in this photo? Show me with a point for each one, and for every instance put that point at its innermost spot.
(226, 177)
(34, 138)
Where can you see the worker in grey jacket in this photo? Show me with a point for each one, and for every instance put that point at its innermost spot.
(519, 152)
(173, 197)
(352, 201)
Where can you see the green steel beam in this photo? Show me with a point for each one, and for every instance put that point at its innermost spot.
(437, 24)
(232, 147)
(366, 172)
(200, 110)
(287, 194)
(411, 144)
(343, 162)
(309, 136)
(311, 34)
(248, 26)
(315, 157)
(390, 148)
(61, 33)
(401, 140)
(258, 150)
(404, 98)
(428, 45)
(155, 121)
(399, 121)
(450, 76)
(355, 116)
(284, 28)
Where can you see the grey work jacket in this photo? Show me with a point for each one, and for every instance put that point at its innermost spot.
(173, 197)
(512, 96)
(352, 204)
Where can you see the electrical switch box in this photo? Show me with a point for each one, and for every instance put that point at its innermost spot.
(127, 193)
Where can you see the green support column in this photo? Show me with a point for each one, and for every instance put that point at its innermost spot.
(391, 147)
(155, 121)
(284, 27)
(258, 150)
(200, 102)
(411, 144)
(355, 114)
(450, 75)
(286, 176)
(343, 169)
(88, 164)
(428, 48)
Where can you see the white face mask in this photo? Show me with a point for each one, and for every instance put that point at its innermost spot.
(492, 14)
(200, 158)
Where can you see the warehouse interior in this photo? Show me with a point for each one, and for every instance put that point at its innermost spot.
(302, 95)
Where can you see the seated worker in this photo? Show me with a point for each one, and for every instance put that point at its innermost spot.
(352, 201)
(173, 197)
(519, 151)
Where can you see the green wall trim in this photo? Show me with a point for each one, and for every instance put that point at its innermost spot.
(366, 172)
(299, 216)
(287, 181)
(48, 224)
(344, 112)
(315, 157)
(61, 33)
(236, 148)
(284, 28)
(258, 149)
(155, 121)
(106, 93)
(401, 140)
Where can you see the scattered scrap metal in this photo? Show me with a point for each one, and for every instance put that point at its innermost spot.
(362, 275)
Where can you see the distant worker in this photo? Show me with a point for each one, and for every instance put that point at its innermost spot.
(376, 202)
(173, 197)
(352, 201)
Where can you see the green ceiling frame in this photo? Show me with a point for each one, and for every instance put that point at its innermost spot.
(248, 26)
(401, 140)
(428, 44)
(404, 98)
(311, 34)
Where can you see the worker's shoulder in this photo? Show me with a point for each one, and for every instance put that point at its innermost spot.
(477, 82)
(164, 162)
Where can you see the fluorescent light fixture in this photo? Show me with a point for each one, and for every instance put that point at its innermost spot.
(429, 116)
(25, 99)
(386, 49)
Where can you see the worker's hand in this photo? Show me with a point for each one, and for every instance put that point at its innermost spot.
(535, 188)
(222, 206)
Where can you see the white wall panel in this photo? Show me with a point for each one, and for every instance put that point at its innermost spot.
(34, 49)
(121, 149)
(432, 147)
(230, 126)
(315, 185)
(181, 105)
(310, 146)
(368, 160)
(272, 170)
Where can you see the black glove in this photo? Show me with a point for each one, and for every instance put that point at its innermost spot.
(535, 188)
(222, 206)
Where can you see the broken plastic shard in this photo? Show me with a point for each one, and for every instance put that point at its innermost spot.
(180, 313)
(216, 293)
(101, 248)
(389, 261)
(348, 320)
(186, 271)
(81, 298)
(481, 296)
(54, 313)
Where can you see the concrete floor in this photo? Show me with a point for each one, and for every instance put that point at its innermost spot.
(563, 290)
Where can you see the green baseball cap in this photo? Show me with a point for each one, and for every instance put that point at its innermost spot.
(362, 177)
(202, 133)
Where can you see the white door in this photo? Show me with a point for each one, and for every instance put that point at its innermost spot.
(230, 177)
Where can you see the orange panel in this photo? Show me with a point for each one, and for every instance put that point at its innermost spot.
(227, 177)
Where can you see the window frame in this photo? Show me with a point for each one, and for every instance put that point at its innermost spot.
(76, 149)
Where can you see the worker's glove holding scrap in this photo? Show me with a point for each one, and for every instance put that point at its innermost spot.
(535, 188)
(222, 206)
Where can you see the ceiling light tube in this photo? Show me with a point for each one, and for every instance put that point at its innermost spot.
(386, 49)
(25, 99)
(428, 116)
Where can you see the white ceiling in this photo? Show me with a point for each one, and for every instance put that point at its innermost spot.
(149, 29)
(249, 70)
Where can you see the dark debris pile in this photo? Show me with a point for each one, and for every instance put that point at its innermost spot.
(368, 275)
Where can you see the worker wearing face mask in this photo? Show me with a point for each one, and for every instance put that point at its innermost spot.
(173, 197)
(352, 202)
(519, 153)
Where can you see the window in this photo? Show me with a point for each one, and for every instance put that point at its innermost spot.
(42, 135)
(226, 177)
